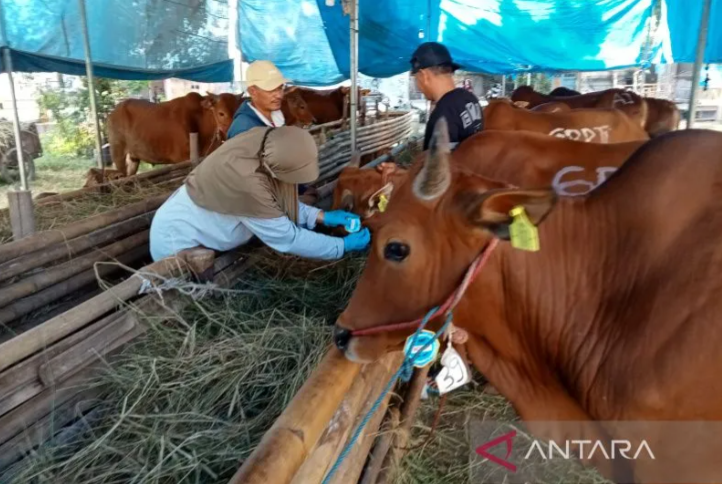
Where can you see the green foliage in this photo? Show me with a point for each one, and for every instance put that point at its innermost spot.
(74, 135)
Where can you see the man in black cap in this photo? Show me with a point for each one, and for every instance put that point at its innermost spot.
(433, 69)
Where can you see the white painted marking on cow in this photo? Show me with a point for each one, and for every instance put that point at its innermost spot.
(622, 98)
(586, 135)
(582, 186)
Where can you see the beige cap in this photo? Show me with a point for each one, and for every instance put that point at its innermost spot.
(265, 75)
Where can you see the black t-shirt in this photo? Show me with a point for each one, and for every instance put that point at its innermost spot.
(463, 115)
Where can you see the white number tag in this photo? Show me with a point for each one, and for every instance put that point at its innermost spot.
(454, 372)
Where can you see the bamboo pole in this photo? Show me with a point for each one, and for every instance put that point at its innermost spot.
(56, 328)
(44, 429)
(352, 467)
(339, 428)
(29, 304)
(67, 250)
(409, 409)
(21, 382)
(48, 277)
(381, 448)
(13, 423)
(85, 352)
(288, 442)
(148, 175)
(41, 240)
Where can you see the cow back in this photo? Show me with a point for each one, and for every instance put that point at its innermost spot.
(588, 125)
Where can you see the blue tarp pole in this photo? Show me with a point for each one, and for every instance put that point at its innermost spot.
(699, 58)
(91, 87)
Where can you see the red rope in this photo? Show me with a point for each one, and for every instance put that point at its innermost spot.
(450, 303)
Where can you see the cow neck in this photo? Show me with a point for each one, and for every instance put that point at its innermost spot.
(539, 309)
(209, 131)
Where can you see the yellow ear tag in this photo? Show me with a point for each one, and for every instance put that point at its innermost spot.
(524, 235)
(383, 203)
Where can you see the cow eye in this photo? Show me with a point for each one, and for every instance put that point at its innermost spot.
(396, 251)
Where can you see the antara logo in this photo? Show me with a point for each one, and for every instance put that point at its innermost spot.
(584, 449)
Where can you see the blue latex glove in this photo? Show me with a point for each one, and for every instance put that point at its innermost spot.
(358, 241)
(339, 218)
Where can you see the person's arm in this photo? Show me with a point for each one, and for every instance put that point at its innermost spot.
(284, 236)
(309, 217)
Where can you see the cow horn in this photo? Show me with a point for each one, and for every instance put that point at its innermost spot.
(355, 160)
(435, 176)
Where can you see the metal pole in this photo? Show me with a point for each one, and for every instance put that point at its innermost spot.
(699, 59)
(16, 120)
(354, 71)
(528, 78)
(503, 86)
(91, 86)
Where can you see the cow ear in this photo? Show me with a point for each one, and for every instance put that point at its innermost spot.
(434, 178)
(491, 209)
(380, 199)
(347, 201)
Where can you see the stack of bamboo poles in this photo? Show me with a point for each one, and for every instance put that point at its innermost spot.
(49, 266)
(306, 440)
(42, 369)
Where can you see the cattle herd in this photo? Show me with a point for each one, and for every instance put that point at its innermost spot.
(158, 133)
(613, 319)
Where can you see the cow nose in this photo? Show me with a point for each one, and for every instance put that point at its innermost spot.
(341, 337)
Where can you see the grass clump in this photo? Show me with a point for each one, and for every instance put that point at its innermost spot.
(192, 397)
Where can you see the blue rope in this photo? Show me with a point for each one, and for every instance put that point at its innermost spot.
(404, 372)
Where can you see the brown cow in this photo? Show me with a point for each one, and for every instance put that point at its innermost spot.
(628, 102)
(159, 133)
(662, 116)
(519, 158)
(589, 125)
(555, 107)
(329, 105)
(616, 318)
(294, 108)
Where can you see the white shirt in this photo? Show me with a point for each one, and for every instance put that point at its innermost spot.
(181, 224)
(277, 119)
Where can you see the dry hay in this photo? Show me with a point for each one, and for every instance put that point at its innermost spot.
(191, 398)
(58, 214)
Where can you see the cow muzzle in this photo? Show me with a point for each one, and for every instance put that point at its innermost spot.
(341, 337)
(359, 349)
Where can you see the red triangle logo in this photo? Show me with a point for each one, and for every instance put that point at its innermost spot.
(482, 450)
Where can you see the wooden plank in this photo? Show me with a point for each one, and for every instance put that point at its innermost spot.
(22, 216)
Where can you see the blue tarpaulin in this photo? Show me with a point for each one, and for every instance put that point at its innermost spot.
(679, 40)
(130, 39)
(495, 36)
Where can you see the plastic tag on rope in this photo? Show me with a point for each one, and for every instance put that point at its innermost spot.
(425, 348)
(454, 372)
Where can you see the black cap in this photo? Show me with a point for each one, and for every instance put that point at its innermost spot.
(431, 54)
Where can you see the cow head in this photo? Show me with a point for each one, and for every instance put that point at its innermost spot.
(438, 223)
(366, 192)
(223, 107)
(295, 109)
